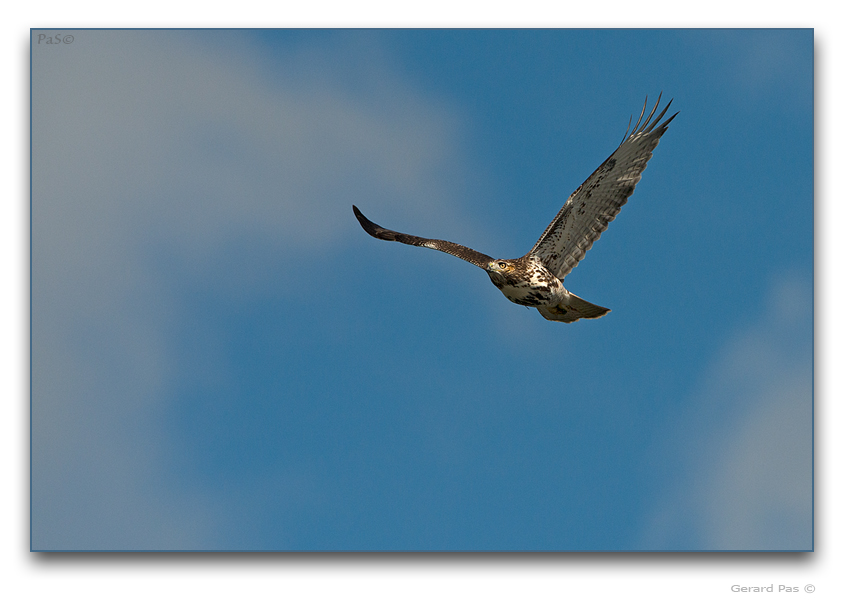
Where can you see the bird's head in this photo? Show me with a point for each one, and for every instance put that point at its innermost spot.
(499, 266)
(498, 270)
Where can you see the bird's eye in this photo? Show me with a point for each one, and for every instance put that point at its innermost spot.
(502, 265)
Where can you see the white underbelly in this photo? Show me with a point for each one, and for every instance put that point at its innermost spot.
(543, 294)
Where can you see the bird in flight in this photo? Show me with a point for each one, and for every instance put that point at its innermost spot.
(536, 279)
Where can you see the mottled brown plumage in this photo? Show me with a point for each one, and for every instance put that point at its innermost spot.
(536, 279)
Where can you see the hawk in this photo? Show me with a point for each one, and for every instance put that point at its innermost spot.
(536, 279)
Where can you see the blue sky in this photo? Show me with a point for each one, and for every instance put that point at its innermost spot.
(223, 360)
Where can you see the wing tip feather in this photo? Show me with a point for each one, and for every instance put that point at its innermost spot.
(373, 229)
(656, 126)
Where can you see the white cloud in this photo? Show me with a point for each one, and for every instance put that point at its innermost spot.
(203, 144)
(155, 142)
(744, 471)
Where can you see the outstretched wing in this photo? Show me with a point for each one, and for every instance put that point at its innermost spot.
(467, 254)
(589, 210)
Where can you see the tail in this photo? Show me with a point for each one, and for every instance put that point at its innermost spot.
(569, 312)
